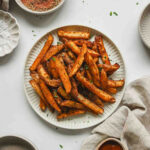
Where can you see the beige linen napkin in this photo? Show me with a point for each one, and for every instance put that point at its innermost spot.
(4, 4)
(130, 123)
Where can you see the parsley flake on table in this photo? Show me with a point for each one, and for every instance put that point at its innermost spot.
(111, 13)
(53, 59)
(137, 3)
(60, 146)
(115, 13)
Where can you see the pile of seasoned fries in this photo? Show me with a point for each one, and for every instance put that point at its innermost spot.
(69, 78)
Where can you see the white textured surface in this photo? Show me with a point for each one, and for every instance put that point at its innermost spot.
(9, 33)
(82, 121)
(144, 26)
(16, 115)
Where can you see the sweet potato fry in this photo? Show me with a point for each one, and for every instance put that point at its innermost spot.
(89, 44)
(42, 53)
(102, 50)
(35, 76)
(91, 87)
(115, 83)
(73, 35)
(67, 59)
(49, 97)
(74, 87)
(88, 104)
(89, 76)
(71, 55)
(103, 79)
(57, 98)
(42, 105)
(70, 113)
(63, 75)
(52, 68)
(93, 69)
(45, 76)
(96, 100)
(112, 90)
(94, 47)
(73, 104)
(110, 69)
(93, 53)
(53, 51)
(63, 93)
(36, 88)
(79, 61)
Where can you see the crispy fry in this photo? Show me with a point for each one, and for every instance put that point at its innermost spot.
(112, 90)
(89, 76)
(63, 75)
(79, 61)
(93, 53)
(35, 76)
(73, 104)
(94, 47)
(74, 87)
(73, 35)
(91, 87)
(80, 43)
(45, 76)
(67, 59)
(115, 83)
(96, 100)
(49, 97)
(104, 79)
(102, 50)
(72, 56)
(57, 98)
(53, 51)
(63, 93)
(93, 69)
(36, 88)
(52, 69)
(42, 53)
(42, 105)
(70, 113)
(88, 104)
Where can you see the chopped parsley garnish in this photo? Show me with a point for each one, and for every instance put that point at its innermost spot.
(86, 67)
(32, 30)
(34, 34)
(60, 146)
(111, 13)
(137, 3)
(58, 43)
(105, 57)
(115, 13)
(100, 68)
(56, 96)
(91, 81)
(53, 59)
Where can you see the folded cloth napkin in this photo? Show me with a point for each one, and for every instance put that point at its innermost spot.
(4, 4)
(130, 123)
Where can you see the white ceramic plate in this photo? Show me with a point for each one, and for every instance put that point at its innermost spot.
(9, 33)
(83, 121)
(19, 2)
(144, 26)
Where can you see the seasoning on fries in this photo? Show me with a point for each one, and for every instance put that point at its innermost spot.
(69, 78)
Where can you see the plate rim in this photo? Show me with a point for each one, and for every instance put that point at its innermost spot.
(46, 119)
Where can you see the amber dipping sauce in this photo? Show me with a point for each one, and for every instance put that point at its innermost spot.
(110, 145)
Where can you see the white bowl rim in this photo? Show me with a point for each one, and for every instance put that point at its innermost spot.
(4, 12)
(139, 26)
(40, 12)
(56, 28)
(111, 139)
(22, 138)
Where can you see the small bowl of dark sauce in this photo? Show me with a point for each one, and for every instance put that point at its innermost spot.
(111, 144)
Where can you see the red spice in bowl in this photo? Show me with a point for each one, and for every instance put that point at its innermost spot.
(40, 5)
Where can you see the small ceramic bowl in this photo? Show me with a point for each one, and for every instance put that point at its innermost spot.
(144, 26)
(9, 33)
(111, 139)
(16, 143)
(19, 2)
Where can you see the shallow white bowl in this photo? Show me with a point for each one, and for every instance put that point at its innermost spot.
(82, 121)
(19, 2)
(9, 33)
(144, 26)
(16, 142)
